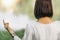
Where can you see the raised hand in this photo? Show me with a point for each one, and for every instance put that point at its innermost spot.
(6, 25)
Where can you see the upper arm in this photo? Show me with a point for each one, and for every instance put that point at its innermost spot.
(28, 33)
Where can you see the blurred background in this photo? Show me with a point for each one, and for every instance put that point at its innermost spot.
(18, 13)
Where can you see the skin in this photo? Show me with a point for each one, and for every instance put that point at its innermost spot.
(44, 20)
(7, 27)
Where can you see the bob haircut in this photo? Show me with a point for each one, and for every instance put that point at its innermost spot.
(43, 8)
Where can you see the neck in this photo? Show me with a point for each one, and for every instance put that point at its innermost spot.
(45, 20)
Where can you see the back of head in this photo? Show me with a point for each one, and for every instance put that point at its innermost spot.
(43, 8)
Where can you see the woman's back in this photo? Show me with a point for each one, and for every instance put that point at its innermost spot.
(45, 31)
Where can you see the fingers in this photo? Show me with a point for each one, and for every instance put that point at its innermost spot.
(3, 21)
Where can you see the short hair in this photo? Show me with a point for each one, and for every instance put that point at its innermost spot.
(43, 8)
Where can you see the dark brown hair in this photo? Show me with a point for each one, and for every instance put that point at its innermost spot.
(43, 8)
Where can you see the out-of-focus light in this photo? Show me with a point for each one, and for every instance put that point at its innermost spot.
(8, 3)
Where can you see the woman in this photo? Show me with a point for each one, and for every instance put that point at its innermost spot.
(42, 29)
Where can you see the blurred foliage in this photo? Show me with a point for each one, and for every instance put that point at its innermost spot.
(20, 33)
(56, 9)
(4, 35)
(27, 8)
